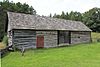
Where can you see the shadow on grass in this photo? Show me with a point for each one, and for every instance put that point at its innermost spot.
(42, 50)
(4, 53)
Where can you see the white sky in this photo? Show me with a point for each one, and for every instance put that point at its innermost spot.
(45, 7)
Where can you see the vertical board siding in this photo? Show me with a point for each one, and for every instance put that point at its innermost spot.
(80, 37)
(50, 38)
(24, 37)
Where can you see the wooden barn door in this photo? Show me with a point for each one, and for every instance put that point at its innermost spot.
(40, 41)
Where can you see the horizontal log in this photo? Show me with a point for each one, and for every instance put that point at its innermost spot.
(24, 35)
(25, 43)
(24, 38)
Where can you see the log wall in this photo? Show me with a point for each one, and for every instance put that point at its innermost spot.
(80, 37)
(50, 38)
(24, 37)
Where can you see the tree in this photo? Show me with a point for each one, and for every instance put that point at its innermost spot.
(50, 15)
(92, 19)
(2, 23)
(63, 16)
(56, 16)
(67, 16)
(75, 16)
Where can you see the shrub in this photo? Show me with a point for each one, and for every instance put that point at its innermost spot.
(98, 40)
(5, 40)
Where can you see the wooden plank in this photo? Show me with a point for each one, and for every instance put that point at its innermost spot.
(25, 43)
(24, 37)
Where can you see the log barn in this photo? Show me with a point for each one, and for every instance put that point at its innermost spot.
(45, 32)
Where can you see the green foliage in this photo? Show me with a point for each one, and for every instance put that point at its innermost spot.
(56, 16)
(63, 16)
(92, 19)
(70, 16)
(2, 23)
(5, 40)
(98, 40)
(75, 16)
(95, 36)
(17, 7)
(83, 55)
(50, 15)
(12, 7)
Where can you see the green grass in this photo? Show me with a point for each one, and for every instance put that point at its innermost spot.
(83, 55)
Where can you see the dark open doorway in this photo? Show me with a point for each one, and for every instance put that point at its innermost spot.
(63, 37)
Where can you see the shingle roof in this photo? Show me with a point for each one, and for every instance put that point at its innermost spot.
(26, 21)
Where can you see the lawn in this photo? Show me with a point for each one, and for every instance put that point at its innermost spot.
(83, 55)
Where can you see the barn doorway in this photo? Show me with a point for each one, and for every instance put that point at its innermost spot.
(40, 42)
(63, 37)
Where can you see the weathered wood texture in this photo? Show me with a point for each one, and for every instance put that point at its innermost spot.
(26, 21)
(10, 35)
(24, 37)
(27, 37)
(80, 37)
(50, 38)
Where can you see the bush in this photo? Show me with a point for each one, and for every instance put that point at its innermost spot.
(5, 40)
(98, 40)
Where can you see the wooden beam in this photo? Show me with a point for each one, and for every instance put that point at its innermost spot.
(58, 38)
(69, 37)
(90, 37)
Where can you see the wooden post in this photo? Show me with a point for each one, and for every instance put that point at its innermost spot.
(58, 38)
(22, 51)
(69, 37)
(90, 37)
(13, 45)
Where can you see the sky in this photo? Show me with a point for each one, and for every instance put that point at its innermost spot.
(45, 7)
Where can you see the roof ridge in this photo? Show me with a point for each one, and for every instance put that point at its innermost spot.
(27, 21)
